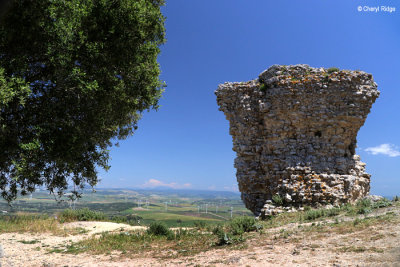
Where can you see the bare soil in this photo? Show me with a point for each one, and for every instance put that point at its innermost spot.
(290, 245)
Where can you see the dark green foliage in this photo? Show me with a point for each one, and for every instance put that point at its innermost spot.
(234, 231)
(226, 237)
(307, 208)
(128, 219)
(23, 218)
(381, 203)
(240, 225)
(263, 87)
(159, 229)
(84, 214)
(333, 69)
(200, 225)
(313, 214)
(396, 198)
(74, 75)
(277, 200)
(29, 241)
(364, 206)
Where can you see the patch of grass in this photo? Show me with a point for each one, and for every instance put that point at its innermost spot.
(358, 224)
(284, 233)
(364, 206)
(161, 240)
(332, 69)
(159, 229)
(200, 225)
(79, 231)
(352, 249)
(360, 249)
(382, 203)
(29, 242)
(181, 242)
(85, 214)
(313, 214)
(22, 223)
(263, 87)
(128, 219)
(277, 200)
(241, 225)
(232, 232)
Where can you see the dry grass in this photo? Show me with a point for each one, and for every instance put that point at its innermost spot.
(34, 223)
(29, 223)
(360, 249)
(131, 244)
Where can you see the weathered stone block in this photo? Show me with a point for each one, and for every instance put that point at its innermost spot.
(294, 132)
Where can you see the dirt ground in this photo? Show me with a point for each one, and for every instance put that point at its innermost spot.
(377, 245)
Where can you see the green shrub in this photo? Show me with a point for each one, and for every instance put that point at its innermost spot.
(364, 206)
(200, 225)
(396, 198)
(159, 229)
(277, 200)
(307, 208)
(128, 219)
(240, 225)
(235, 230)
(217, 230)
(333, 69)
(84, 214)
(263, 87)
(381, 203)
(314, 214)
(311, 214)
(332, 212)
(357, 221)
(226, 238)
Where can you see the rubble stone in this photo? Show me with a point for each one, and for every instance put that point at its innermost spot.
(294, 132)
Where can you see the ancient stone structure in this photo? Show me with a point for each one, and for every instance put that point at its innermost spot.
(294, 131)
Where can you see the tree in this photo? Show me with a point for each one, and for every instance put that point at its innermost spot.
(74, 78)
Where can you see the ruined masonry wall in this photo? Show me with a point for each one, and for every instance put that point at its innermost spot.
(294, 132)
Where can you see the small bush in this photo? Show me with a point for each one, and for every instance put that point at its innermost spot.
(240, 225)
(29, 223)
(277, 200)
(364, 206)
(200, 225)
(381, 204)
(307, 208)
(235, 230)
(128, 219)
(263, 87)
(84, 214)
(396, 198)
(333, 69)
(311, 214)
(314, 214)
(216, 230)
(357, 221)
(159, 229)
(332, 212)
(226, 238)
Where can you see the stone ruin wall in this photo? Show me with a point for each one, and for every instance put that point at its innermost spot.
(294, 131)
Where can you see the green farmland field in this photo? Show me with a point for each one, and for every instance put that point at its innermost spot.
(178, 208)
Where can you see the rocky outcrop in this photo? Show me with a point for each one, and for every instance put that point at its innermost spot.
(294, 132)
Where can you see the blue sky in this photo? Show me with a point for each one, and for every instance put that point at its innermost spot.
(186, 144)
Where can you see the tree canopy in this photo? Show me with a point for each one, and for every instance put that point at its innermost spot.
(74, 78)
